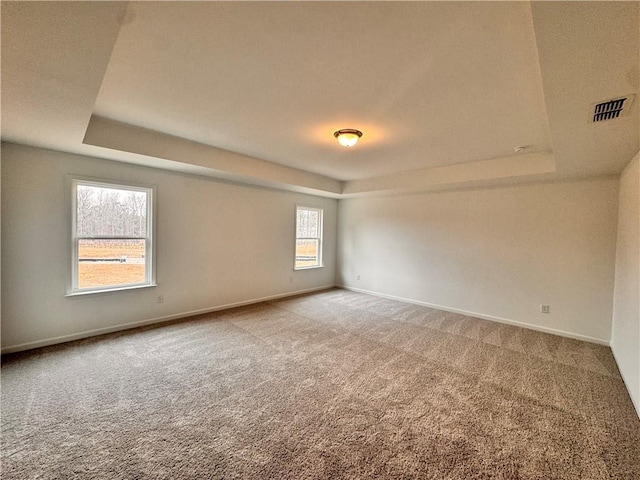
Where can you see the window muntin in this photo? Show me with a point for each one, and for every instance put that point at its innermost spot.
(308, 238)
(112, 244)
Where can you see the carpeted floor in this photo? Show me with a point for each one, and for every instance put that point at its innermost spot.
(326, 386)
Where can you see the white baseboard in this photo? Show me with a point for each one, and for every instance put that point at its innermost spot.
(634, 401)
(127, 326)
(141, 323)
(516, 323)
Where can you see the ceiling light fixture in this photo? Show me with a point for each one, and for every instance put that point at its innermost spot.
(347, 137)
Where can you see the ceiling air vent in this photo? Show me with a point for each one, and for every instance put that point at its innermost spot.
(610, 109)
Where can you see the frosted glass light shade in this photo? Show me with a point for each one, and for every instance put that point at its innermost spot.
(347, 137)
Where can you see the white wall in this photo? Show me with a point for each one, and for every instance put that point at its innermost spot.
(217, 244)
(625, 335)
(496, 253)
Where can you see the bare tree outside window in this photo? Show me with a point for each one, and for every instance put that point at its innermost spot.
(106, 211)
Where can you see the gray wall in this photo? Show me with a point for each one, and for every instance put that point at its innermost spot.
(625, 336)
(495, 253)
(217, 244)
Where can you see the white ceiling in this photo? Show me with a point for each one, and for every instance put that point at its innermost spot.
(252, 91)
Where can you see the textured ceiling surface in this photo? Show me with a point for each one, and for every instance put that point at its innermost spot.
(253, 91)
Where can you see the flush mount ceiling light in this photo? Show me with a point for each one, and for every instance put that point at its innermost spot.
(347, 137)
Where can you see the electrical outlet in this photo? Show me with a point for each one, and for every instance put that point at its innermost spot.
(160, 299)
(358, 277)
(545, 308)
(290, 279)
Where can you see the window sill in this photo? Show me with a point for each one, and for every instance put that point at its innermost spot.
(307, 268)
(110, 290)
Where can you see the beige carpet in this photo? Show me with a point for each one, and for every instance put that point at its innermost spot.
(331, 385)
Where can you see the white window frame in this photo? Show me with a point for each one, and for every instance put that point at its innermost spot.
(319, 238)
(150, 245)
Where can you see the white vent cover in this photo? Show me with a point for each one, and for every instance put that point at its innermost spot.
(610, 109)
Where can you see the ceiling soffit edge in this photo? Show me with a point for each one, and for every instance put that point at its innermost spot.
(215, 162)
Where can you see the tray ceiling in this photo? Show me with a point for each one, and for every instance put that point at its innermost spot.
(253, 91)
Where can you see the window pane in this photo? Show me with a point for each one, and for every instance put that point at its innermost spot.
(307, 253)
(307, 223)
(104, 263)
(104, 211)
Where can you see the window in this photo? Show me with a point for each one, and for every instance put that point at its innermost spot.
(112, 236)
(308, 238)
